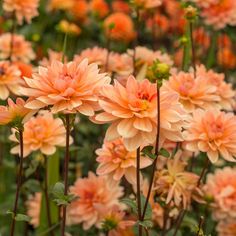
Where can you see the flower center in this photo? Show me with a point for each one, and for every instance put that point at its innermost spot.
(215, 130)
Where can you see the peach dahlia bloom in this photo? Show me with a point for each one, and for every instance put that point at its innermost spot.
(41, 133)
(223, 90)
(92, 191)
(10, 79)
(70, 87)
(123, 27)
(213, 132)
(52, 56)
(221, 186)
(14, 112)
(174, 183)
(132, 111)
(227, 227)
(33, 205)
(23, 9)
(194, 91)
(218, 13)
(147, 56)
(116, 161)
(94, 55)
(116, 217)
(22, 50)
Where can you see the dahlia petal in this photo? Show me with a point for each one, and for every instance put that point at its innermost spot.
(143, 124)
(126, 129)
(48, 149)
(35, 104)
(213, 156)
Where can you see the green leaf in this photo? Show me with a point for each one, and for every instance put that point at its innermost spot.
(131, 203)
(148, 213)
(171, 233)
(146, 223)
(163, 152)
(22, 217)
(148, 152)
(32, 168)
(8, 212)
(58, 190)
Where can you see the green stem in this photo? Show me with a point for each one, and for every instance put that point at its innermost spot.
(212, 51)
(187, 48)
(66, 169)
(64, 47)
(19, 179)
(138, 190)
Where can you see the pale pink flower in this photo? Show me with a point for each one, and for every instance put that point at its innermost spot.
(92, 191)
(227, 227)
(33, 205)
(21, 50)
(116, 161)
(213, 132)
(132, 110)
(70, 87)
(52, 56)
(10, 79)
(221, 187)
(121, 64)
(194, 91)
(23, 9)
(174, 184)
(41, 133)
(94, 55)
(144, 55)
(14, 113)
(223, 89)
(218, 13)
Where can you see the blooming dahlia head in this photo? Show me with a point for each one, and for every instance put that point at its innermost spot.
(221, 186)
(70, 87)
(194, 91)
(41, 133)
(21, 51)
(213, 132)
(100, 8)
(92, 191)
(132, 110)
(226, 227)
(33, 205)
(14, 113)
(223, 90)
(174, 183)
(218, 13)
(10, 79)
(23, 9)
(94, 55)
(116, 161)
(122, 27)
(52, 56)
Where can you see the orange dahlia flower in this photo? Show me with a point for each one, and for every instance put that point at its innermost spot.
(213, 132)
(132, 111)
(21, 51)
(92, 191)
(42, 133)
(119, 26)
(14, 112)
(221, 187)
(99, 7)
(10, 79)
(174, 183)
(120, 6)
(147, 4)
(33, 205)
(70, 87)
(23, 9)
(116, 161)
(194, 91)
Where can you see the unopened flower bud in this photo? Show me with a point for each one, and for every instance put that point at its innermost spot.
(190, 13)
